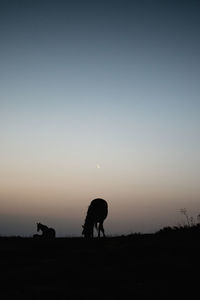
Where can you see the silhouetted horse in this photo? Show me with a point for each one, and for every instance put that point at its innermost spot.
(96, 214)
(47, 233)
(37, 236)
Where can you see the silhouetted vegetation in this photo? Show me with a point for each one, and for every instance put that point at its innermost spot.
(189, 228)
(184, 230)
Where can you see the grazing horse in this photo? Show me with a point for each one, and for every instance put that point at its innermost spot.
(96, 214)
(47, 233)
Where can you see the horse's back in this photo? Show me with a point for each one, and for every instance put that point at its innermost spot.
(50, 233)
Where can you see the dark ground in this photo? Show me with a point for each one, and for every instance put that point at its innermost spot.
(160, 266)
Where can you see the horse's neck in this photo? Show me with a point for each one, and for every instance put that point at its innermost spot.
(89, 222)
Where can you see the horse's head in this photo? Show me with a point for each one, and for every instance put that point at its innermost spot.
(88, 230)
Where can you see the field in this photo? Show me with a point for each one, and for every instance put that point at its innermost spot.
(140, 265)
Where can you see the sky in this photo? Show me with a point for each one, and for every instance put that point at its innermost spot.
(99, 99)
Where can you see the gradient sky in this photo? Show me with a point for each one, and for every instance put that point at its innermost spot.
(99, 99)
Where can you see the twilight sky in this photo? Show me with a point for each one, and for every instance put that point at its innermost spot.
(99, 99)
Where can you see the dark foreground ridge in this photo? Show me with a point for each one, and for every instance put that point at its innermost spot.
(149, 265)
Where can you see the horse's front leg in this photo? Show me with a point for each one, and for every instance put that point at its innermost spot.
(101, 229)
